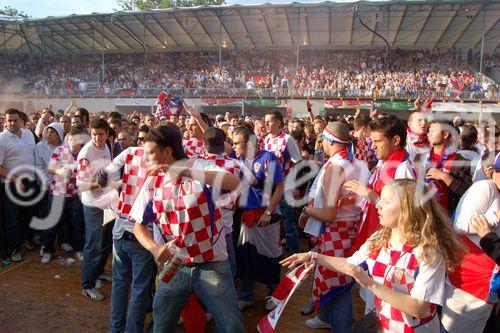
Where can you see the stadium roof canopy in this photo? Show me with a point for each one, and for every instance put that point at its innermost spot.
(322, 25)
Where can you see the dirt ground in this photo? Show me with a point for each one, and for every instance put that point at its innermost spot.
(47, 298)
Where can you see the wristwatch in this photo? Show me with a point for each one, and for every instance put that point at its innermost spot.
(268, 213)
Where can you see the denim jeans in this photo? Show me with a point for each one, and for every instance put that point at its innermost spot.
(291, 227)
(97, 246)
(133, 267)
(16, 218)
(213, 284)
(70, 227)
(338, 312)
(231, 255)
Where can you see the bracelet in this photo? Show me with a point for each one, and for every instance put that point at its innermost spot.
(304, 211)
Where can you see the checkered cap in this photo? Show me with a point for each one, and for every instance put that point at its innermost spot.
(181, 207)
(277, 145)
(335, 241)
(134, 175)
(397, 270)
(194, 148)
(59, 185)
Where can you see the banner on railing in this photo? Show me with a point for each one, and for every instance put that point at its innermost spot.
(135, 101)
(466, 107)
(221, 101)
(264, 102)
(348, 103)
(393, 105)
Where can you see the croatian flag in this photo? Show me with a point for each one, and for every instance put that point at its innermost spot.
(282, 295)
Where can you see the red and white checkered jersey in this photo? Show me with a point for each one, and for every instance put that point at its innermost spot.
(184, 210)
(59, 185)
(134, 175)
(285, 148)
(400, 268)
(194, 148)
(260, 142)
(336, 240)
(364, 152)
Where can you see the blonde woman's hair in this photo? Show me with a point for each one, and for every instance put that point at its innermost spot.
(425, 224)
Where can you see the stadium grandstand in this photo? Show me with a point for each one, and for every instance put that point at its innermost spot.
(391, 49)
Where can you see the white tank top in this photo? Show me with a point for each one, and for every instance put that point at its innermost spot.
(354, 170)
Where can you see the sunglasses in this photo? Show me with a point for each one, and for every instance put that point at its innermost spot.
(140, 139)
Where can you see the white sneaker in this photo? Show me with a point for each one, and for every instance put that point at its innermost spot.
(98, 284)
(271, 303)
(79, 255)
(242, 305)
(93, 294)
(46, 257)
(105, 277)
(66, 247)
(316, 323)
(16, 255)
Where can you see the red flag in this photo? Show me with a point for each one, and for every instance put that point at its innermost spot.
(194, 315)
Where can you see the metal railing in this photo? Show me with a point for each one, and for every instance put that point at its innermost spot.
(491, 95)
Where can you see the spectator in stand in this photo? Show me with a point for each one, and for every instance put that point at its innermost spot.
(17, 149)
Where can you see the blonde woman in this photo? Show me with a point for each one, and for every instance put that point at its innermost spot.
(406, 260)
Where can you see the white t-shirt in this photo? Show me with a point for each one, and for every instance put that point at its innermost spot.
(90, 160)
(480, 199)
(414, 151)
(405, 170)
(17, 152)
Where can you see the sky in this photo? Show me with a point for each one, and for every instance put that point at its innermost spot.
(44, 8)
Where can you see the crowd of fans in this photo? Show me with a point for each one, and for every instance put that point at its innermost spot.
(395, 208)
(320, 73)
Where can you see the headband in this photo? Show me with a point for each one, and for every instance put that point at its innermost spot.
(330, 137)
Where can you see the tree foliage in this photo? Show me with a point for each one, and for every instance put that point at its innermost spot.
(10, 11)
(156, 4)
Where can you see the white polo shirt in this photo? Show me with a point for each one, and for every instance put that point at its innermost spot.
(17, 152)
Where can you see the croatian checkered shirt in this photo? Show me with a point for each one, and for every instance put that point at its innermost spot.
(397, 270)
(59, 185)
(194, 148)
(335, 241)
(134, 175)
(278, 146)
(227, 198)
(364, 152)
(182, 209)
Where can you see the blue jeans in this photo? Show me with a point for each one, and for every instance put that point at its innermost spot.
(338, 312)
(96, 249)
(291, 227)
(133, 267)
(69, 229)
(213, 284)
(16, 218)
(231, 255)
